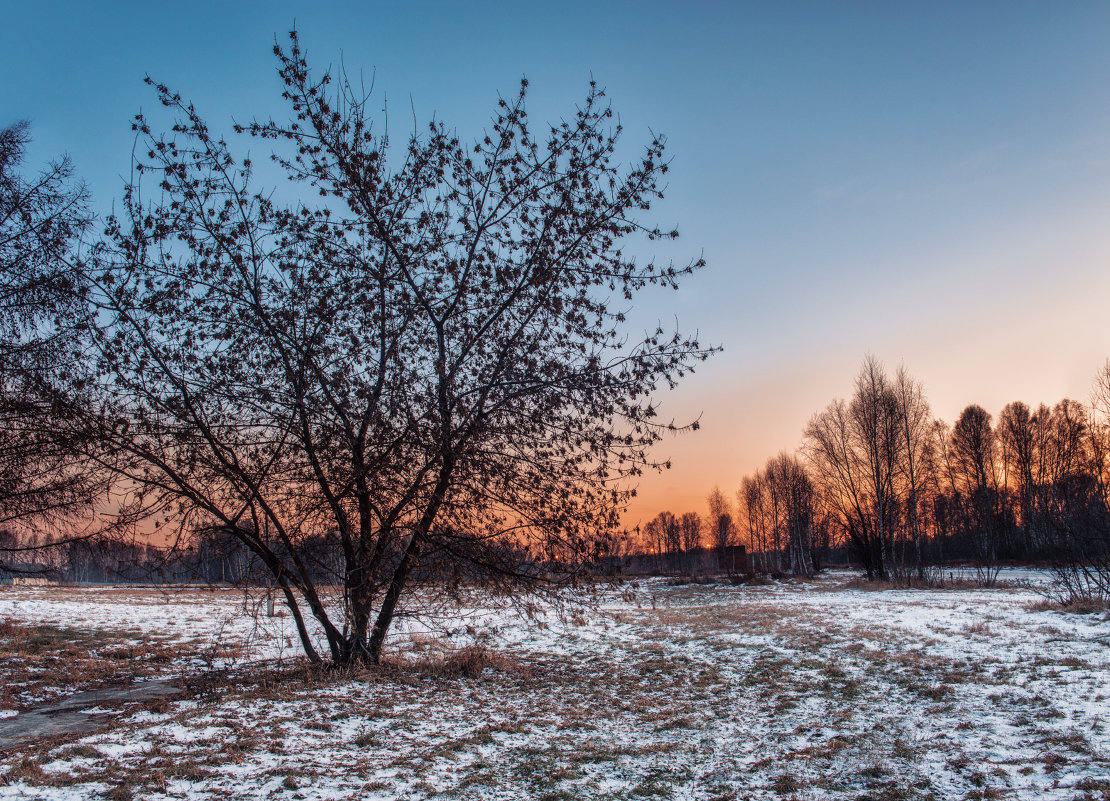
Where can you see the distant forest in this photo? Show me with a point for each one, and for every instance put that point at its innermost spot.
(878, 476)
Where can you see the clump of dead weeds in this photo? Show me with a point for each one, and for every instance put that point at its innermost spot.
(474, 661)
(470, 662)
(786, 783)
(1074, 606)
(915, 583)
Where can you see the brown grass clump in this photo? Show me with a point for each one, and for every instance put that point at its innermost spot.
(80, 751)
(27, 770)
(911, 583)
(1075, 606)
(1093, 789)
(785, 784)
(469, 662)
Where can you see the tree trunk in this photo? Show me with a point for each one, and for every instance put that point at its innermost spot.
(389, 603)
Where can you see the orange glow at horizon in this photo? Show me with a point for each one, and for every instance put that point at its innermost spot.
(747, 420)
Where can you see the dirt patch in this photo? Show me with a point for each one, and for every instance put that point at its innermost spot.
(81, 713)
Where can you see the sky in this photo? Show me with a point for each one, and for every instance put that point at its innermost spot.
(928, 183)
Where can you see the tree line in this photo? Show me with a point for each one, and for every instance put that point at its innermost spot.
(210, 556)
(879, 477)
(906, 492)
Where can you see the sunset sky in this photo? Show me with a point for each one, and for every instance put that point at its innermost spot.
(926, 183)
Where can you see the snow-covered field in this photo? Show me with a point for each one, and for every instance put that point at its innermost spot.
(812, 690)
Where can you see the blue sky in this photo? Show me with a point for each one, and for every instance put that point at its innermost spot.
(929, 183)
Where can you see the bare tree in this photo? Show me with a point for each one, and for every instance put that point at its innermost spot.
(423, 363)
(752, 502)
(974, 451)
(778, 507)
(870, 460)
(722, 526)
(665, 532)
(915, 419)
(1017, 433)
(652, 535)
(1099, 432)
(794, 502)
(854, 448)
(973, 446)
(672, 533)
(690, 525)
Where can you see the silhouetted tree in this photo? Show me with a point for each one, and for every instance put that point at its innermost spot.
(664, 532)
(690, 525)
(46, 478)
(794, 499)
(1019, 434)
(1099, 433)
(778, 508)
(723, 527)
(915, 419)
(423, 360)
(752, 498)
(854, 448)
(973, 449)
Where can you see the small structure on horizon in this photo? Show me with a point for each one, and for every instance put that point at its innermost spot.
(32, 581)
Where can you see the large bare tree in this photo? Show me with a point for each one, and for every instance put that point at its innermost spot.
(777, 505)
(865, 459)
(418, 364)
(915, 420)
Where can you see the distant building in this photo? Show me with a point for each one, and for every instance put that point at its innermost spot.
(733, 558)
(32, 581)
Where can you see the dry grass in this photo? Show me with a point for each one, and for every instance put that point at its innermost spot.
(440, 660)
(911, 583)
(718, 692)
(1076, 606)
(41, 662)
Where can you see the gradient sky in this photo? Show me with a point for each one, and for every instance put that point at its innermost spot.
(927, 183)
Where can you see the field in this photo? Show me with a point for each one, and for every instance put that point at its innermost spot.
(823, 689)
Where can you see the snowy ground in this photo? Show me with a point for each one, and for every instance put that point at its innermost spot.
(815, 690)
